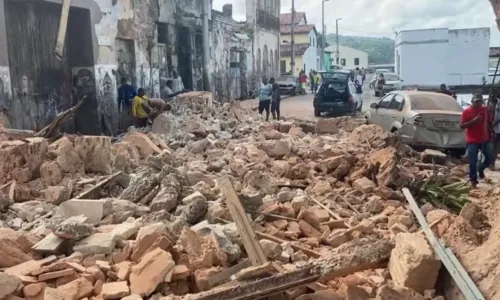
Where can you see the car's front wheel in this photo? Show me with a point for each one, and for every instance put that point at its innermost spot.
(317, 112)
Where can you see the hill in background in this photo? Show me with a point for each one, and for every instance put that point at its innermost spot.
(380, 50)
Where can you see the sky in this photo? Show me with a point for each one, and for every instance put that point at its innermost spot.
(379, 18)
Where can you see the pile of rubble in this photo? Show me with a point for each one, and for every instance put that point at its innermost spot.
(145, 215)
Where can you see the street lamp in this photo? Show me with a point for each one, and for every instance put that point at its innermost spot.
(323, 33)
(337, 35)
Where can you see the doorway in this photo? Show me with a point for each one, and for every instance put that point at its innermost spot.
(185, 61)
(41, 84)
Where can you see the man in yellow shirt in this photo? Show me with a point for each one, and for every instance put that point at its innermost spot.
(317, 78)
(140, 107)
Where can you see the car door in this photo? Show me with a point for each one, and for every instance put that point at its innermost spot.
(393, 112)
(378, 114)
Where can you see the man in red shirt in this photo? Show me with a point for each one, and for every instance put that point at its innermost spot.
(477, 135)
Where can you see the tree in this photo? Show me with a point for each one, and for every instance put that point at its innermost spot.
(380, 50)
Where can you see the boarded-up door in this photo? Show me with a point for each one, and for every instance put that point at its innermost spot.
(41, 84)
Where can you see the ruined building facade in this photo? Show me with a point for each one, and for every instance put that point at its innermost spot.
(141, 40)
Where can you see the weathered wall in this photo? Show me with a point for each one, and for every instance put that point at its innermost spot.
(184, 22)
(231, 58)
(263, 20)
(5, 86)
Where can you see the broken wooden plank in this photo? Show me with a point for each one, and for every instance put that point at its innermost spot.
(295, 246)
(12, 190)
(227, 273)
(353, 257)
(334, 215)
(63, 26)
(58, 120)
(6, 185)
(250, 241)
(252, 273)
(252, 245)
(271, 215)
(456, 270)
(88, 194)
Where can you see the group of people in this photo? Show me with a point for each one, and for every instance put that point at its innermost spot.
(136, 108)
(482, 134)
(269, 98)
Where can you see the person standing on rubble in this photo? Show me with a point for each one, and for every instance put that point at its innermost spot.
(496, 127)
(275, 99)
(177, 84)
(140, 107)
(265, 94)
(126, 94)
(477, 135)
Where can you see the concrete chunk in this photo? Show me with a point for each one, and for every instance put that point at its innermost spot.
(98, 243)
(150, 272)
(94, 210)
(8, 284)
(115, 290)
(412, 263)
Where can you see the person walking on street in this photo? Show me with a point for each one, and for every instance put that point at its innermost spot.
(275, 99)
(477, 135)
(316, 81)
(311, 79)
(265, 93)
(303, 81)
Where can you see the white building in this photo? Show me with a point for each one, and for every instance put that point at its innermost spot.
(349, 58)
(430, 57)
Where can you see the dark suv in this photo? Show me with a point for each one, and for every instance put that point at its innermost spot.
(334, 94)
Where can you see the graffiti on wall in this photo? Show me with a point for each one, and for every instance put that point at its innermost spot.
(107, 95)
(5, 96)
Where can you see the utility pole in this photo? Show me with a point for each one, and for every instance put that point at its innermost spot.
(292, 43)
(322, 60)
(206, 47)
(337, 36)
(323, 35)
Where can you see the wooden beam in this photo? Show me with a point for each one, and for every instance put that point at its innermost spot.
(296, 246)
(250, 241)
(227, 273)
(89, 193)
(334, 215)
(63, 26)
(353, 257)
(449, 260)
(12, 190)
(252, 245)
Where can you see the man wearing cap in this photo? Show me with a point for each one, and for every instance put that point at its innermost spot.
(477, 135)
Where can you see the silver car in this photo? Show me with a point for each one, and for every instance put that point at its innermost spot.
(421, 119)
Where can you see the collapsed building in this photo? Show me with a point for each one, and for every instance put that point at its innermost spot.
(143, 41)
(212, 203)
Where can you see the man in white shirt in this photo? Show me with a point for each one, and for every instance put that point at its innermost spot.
(177, 84)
